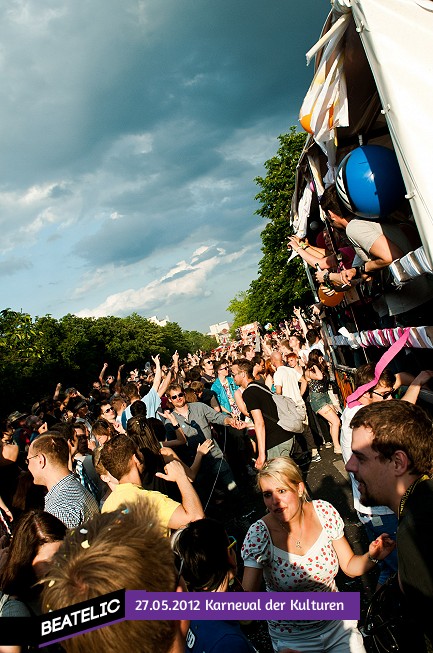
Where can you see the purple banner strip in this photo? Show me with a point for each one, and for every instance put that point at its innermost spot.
(245, 606)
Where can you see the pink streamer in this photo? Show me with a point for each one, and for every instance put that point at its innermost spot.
(352, 400)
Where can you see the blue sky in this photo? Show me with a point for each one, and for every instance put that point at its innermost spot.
(131, 132)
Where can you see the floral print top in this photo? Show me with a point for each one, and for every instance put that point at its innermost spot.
(288, 572)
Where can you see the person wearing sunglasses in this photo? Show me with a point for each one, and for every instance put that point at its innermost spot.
(377, 519)
(108, 412)
(195, 420)
(238, 446)
(206, 561)
(208, 373)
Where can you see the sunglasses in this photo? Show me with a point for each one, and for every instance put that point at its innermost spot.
(207, 362)
(385, 395)
(107, 410)
(224, 367)
(181, 394)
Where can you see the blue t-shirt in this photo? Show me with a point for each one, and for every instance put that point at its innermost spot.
(217, 637)
(152, 401)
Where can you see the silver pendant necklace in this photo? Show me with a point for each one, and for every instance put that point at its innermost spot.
(298, 542)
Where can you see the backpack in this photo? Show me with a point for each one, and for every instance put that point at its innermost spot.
(290, 416)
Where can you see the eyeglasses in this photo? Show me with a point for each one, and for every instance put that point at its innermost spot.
(27, 459)
(233, 541)
(181, 394)
(385, 395)
(107, 410)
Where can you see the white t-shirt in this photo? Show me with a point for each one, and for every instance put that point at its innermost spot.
(287, 378)
(346, 448)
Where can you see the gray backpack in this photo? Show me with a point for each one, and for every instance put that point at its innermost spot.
(290, 416)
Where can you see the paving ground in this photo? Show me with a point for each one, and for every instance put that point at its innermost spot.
(326, 480)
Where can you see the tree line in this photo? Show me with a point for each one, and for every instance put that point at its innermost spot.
(37, 353)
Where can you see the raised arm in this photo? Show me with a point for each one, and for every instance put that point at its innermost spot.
(102, 373)
(412, 393)
(164, 385)
(190, 508)
(118, 386)
(57, 391)
(313, 255)
(157, 379)
(297, 312)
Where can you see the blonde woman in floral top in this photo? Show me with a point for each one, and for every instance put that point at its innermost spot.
(298, 547)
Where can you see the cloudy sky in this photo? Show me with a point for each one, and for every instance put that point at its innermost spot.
(131, 132)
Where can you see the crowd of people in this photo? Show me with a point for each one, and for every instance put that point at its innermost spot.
(176, 444)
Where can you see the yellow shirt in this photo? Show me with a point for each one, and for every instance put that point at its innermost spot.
(130, 493)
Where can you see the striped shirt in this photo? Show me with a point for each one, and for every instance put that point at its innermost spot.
(70, 502)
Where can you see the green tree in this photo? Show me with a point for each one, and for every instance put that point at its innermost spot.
(240, 307)
(18, 338)
(200, 341)
(279, 285)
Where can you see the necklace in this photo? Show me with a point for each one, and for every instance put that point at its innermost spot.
(298, 543)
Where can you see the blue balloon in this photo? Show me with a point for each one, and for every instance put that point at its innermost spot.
(369, 181)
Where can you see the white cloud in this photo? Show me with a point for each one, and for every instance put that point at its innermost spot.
(192, 282)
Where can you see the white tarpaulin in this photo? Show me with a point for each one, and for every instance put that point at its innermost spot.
(397, 36)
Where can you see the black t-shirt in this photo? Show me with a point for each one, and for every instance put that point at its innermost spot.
(257, 398)
(415, 555)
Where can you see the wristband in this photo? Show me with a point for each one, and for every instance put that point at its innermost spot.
(375, 561)
(176, 426)
(327, 281)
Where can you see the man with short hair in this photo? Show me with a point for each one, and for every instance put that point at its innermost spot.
(375, 519)
(272, 440)
(377, 245)
(286, 382)
(392, 454)
(122, 460)
(286, 379)
(248, 352)
(207, 371)
(66, 499)
(195, 420)
(118, 550)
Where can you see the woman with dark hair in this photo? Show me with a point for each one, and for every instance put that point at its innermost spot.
(207, 557)
(36, 538)
(103, 431)
(207, 562)
(317, 376)
(155, 457)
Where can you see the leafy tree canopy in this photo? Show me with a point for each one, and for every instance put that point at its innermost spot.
(36, 353)
(279, 285)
